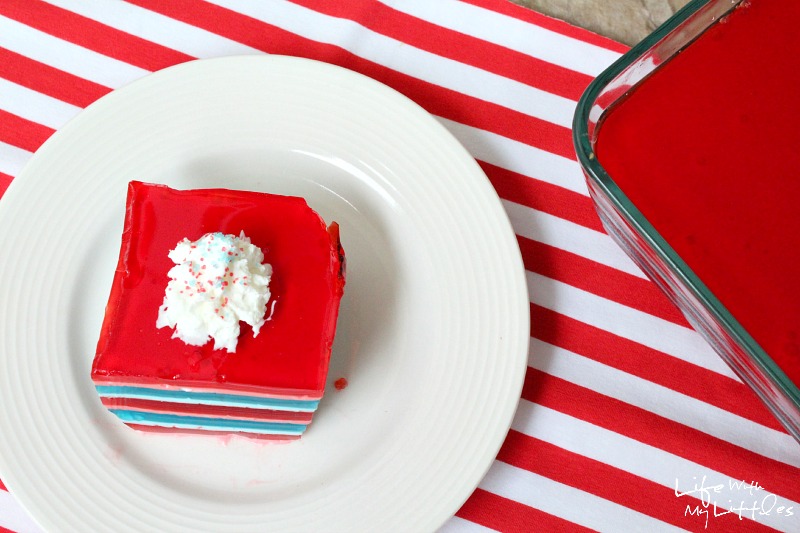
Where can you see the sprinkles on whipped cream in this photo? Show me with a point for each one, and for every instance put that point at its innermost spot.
(217, 281)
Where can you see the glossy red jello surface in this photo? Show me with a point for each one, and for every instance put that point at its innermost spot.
(706, 149)
(291, 353)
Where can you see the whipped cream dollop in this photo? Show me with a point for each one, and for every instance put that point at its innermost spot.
(217, 281)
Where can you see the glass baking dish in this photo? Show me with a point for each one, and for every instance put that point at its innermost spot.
(684, 170)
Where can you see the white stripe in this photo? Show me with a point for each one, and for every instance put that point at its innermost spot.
(648, 330)
(569, 236)
(459, 525)
(410, 60)
(14, 517)
(66, 56)
(518, 35)
(35, 106)
(518, 157)
(566, 502)
(12, 159)
(664, 402)
(156, 28)
(489, 147)
(645, 461)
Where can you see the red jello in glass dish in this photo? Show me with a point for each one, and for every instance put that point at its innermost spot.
(690, 154)
(271, 383)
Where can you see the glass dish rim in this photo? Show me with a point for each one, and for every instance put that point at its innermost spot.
(632, 215)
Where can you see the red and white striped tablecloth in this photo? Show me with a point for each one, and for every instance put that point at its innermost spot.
(628, 421)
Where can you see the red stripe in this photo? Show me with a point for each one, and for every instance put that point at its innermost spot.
(437, 100)
(3, 487)
(609, 483)
(502, 514)
(93, 35)
(518, 12)
(48, 80)
(652, 365)
(5, 181)
(543, 196)
(659, 432)
(22, 133)
(440, 101)
(463, 48)
(599, 279)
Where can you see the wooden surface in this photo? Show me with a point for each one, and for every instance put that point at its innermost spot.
(627, 21)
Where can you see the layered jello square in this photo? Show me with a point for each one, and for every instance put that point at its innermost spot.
(270, 384)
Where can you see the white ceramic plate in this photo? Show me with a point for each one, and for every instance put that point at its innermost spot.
(433, 330)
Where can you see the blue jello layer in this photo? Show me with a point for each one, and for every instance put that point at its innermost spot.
(206, 398)
(208, 424)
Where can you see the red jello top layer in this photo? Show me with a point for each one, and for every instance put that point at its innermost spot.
(706, 148)
(290, 354)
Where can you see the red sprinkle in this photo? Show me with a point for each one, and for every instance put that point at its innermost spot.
(340, 384)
